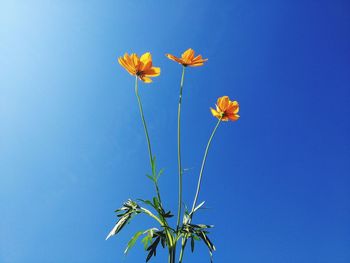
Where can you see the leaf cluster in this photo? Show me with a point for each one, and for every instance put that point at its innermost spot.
(166, 236)
(197, 232)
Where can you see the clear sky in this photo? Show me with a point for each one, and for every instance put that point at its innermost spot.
(72, 147)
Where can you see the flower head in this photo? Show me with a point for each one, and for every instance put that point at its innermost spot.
(226, 109)
(188, 59)
(141, 67)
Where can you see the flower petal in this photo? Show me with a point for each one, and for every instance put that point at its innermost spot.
(188, 55)
(126, 66)
(195, 64)
(215, 113)
(145, 61)
(233, 117)
(172, 57)
(223, 102)
(134, 61)
(233, 107)
(226, 109)
(145, 79)
(199, 59)
(236, 107)
(152, 72)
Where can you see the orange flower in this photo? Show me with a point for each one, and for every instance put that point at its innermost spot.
(188, 59)
(226, 109)
(140, 67)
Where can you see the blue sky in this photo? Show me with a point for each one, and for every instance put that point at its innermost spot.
(72, 147)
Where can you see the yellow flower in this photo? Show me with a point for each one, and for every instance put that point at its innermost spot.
(226, 109)
(140, 67)
(188, 59)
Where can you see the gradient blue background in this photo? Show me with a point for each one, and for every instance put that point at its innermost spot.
(72, 147)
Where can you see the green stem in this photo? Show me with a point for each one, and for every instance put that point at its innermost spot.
(202, 167)
(147, 137)
(183, 244)
(184, 240)
(146, 211)
(163, 224)
(179, 149)
(144, 123)
(171, 258)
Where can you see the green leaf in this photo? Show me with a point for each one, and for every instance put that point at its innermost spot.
(206, 240)
(148, 238)
(168, 214)
(150, 177)
(211, 256)
(186, 218)
(198, 206)
(150, 254)
(163, 241)
(153, 249)
(160, 173)
(201, 226)
(146, 241)
(156, 202)
(125, 214)
(192, 244)
(196, 238)
(119, 225)
(132, 241)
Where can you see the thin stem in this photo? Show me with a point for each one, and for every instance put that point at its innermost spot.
(184, 240)
(179, 148)
(146, 211)
(202, 167)
(172, 253)
(144, 122)
(183, 244)
(147, 137)
(163, 224)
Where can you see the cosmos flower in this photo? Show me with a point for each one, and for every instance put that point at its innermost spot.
(141, 67)
(226, 109)
(188, 59)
